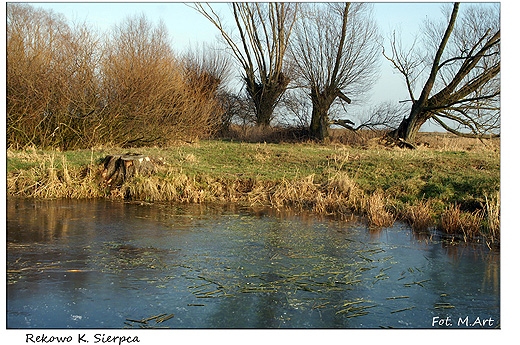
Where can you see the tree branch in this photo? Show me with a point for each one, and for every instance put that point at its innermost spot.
(465, 135)
(428, 86)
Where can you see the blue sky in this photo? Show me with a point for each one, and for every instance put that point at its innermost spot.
(186, 27)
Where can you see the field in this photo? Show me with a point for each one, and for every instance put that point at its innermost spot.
(448, 183)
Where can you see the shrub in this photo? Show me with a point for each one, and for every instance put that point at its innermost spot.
(69, 89)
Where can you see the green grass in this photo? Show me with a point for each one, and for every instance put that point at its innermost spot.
(452, 177)
(262, 161)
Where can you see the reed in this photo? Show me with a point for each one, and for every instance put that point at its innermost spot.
(51, 180)
(419, 215)
(492, 217)
(343, 188)
(301, 193)
(456, 222)
(376, 210)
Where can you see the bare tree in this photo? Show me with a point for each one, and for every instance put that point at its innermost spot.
(334, 52)
(260, 46)
(462, 90)
(206, 62)
(295, 108)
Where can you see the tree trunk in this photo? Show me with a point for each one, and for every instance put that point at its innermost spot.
(118, 168)
(264, 108)
(410, 126)
(265, 96)
(319, 128)
(321, 102)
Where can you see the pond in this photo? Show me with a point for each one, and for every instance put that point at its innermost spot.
(102, 264)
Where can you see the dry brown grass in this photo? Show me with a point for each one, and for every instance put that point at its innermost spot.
(419, 215)
(255, 134)
(344, 193)
(492, 217)
(363, 137)
(425, 140)
(376, 210)
(301, 193)
(48, 181)
(451, 142)
(454, 221)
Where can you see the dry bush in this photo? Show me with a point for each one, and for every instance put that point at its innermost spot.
(68, 89)
(151, 97)
(51, 82)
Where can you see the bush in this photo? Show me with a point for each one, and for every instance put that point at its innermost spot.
(51, 82)
(67, 88)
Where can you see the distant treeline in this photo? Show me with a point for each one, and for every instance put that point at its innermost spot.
(70, 87)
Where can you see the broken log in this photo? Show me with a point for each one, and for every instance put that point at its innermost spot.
(118, 168)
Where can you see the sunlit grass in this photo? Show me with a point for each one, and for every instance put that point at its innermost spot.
(423, 187)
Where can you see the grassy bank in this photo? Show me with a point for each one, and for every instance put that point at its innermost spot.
(452, 185)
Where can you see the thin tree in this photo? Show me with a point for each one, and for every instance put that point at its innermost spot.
(334, 52)
(206, 67)
(263, 36)
(462, 90)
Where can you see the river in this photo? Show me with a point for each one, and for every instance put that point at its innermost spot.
(104, 264)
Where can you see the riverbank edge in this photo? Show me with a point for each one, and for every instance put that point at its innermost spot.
(334, 194)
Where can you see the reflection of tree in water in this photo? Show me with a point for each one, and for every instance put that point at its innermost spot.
(43, 220)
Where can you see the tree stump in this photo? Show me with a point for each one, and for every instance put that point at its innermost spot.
(118, 168)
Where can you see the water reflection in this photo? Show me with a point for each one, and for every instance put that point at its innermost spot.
(96, 263)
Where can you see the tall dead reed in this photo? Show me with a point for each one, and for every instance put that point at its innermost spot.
(376, 210)
(301, 193)
(456, 222)
(419, 215)
(343, 195)
(492, 217)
